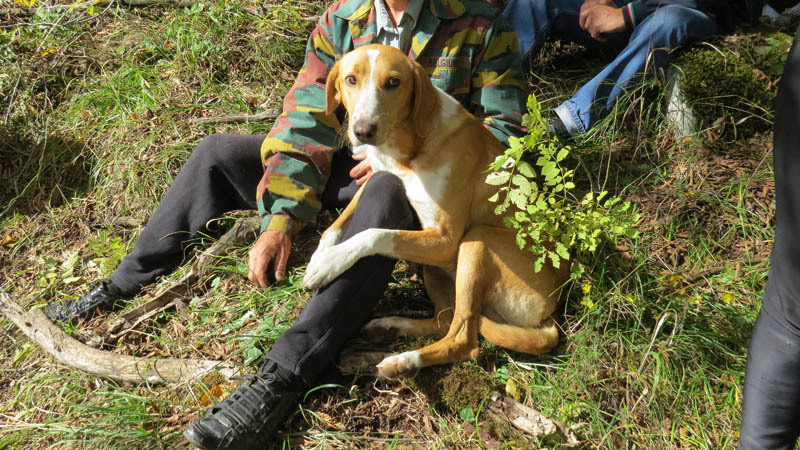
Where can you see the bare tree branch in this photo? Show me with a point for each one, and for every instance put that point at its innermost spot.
(531, 421)
(237, 118)
(164, 299)
(122, 368)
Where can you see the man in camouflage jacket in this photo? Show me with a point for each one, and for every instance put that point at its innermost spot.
(470, 56)
(468, 49)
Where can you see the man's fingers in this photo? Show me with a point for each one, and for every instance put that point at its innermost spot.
(281, 260)
(583, 16)
(257, 270)
(361, 172)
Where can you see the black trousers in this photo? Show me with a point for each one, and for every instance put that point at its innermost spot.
(771, 405)
(221, 175)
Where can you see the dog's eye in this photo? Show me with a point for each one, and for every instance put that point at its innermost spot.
(351, 80)
(392, 83)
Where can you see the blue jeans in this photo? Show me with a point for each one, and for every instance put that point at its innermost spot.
(645, 49)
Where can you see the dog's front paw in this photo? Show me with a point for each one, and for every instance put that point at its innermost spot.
(325, 265)
(396, 366)
(377, 330)
(316, 274)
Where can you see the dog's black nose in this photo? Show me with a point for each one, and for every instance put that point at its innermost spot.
(365, 131)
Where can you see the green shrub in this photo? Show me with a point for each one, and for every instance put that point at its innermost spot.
(539, 202)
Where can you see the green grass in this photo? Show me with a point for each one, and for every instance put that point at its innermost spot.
(94, 126)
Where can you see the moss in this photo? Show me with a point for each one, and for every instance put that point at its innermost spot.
(454, 388)
(726, 89)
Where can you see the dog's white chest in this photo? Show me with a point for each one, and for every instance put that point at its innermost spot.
(425, 191)
(425, 188)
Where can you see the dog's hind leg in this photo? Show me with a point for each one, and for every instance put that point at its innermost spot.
(473, 277)
(441, 290)
(533, 340)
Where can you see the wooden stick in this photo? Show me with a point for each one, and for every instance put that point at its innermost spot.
(122, 368)
(180, 289)
(237, 118)
(531, 421)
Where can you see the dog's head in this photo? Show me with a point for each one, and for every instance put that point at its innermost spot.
(381, 89)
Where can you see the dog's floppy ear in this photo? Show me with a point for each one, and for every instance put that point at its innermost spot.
(426, 101)
(332, 97)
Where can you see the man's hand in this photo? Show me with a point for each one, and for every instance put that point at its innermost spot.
(271, 247)
(593, 3)
(601, 18)
(362, 171)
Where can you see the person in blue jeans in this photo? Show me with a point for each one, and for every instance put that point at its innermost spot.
(643, 32)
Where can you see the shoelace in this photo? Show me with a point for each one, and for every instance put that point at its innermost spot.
(244, 408)
(89, 300)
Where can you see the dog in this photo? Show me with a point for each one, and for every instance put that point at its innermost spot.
(475, 274)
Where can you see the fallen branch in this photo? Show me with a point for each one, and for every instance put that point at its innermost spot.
(531, 421)
(165, 298)
(237, 118)
(122, 368)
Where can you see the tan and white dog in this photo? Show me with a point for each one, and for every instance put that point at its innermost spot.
(476, 276)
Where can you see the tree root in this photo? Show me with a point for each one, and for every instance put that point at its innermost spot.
(122, 368)
(237, 118)
(73, 353)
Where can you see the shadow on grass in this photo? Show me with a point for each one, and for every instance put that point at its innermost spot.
(39, 171)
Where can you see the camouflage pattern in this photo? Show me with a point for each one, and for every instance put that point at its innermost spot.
(466, 46)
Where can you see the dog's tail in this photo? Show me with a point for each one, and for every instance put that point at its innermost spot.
(535, 340)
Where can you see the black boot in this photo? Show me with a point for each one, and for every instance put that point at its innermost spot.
(102, 296)
(250, 416)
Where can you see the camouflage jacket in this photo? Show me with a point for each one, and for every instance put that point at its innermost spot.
(466, 46)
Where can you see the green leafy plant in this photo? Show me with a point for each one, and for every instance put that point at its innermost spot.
(538, 201)
(109, 250)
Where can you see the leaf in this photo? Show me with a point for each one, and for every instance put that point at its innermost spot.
(523, 183)
(550, 170)
(562, 251)
(519, 199)
(512, 390)
(576, 270)
(562, 154)
(554, 259)
(525, 169)
(498, 178)
(520, 241)
(538, 264)
(495, 197)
